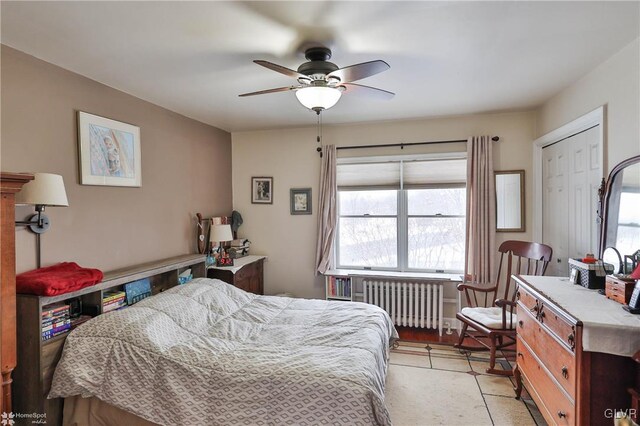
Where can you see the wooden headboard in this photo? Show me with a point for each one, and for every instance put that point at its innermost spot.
(38, 358)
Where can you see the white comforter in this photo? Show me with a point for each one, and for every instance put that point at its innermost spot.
(209, 353)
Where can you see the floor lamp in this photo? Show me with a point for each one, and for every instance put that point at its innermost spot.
(45, 190)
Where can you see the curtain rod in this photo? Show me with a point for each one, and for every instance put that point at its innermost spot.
(402, 145)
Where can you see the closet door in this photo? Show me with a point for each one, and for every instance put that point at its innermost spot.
(555, 219)
(572, 170)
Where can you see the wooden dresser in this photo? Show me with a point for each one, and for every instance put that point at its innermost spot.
(247, 273)
(10, 183)
(565, 369)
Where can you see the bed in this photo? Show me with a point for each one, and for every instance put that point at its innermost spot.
(209, 353)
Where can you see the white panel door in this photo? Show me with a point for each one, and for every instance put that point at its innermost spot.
(572, 171)
(555, 220)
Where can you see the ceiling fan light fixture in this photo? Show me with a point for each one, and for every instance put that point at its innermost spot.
(318, 98)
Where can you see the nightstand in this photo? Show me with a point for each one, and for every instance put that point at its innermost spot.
(247, 273)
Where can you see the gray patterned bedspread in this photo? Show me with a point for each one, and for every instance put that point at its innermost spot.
(207, 353)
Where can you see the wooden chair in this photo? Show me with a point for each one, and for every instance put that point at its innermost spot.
(493, 320)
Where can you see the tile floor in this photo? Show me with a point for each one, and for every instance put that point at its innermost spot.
(430, 384)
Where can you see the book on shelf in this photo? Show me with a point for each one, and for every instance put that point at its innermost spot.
(56, 325)
(50, 334)
(112, 306)
(108, 296)
(54, 310)
(137, 290)
(339, 287)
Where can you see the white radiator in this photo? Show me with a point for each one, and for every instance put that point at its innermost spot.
(409, 304)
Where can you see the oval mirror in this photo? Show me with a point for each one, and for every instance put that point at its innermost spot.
(621, 214)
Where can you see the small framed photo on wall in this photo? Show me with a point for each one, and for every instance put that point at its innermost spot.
(262, 190)
(300, 200)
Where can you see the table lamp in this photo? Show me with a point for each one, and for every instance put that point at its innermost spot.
(219, 234)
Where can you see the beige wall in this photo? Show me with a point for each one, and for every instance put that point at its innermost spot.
(186, 168)
(290, 157)
(614, 83)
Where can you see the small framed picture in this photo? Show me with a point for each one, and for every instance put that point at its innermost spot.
(262, 190)
(574, 276)
(300, 200)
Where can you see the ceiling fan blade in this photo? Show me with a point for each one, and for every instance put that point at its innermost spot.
(369, 91)
(282, 70)
(359, 71)
(263, 92)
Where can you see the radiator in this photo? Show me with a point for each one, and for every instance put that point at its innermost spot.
(409, 304)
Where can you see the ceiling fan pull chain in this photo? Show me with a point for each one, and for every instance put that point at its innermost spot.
(319, 131)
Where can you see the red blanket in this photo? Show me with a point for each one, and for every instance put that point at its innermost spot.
(57, 279)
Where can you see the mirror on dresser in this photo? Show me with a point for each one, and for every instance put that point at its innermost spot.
(620, 207)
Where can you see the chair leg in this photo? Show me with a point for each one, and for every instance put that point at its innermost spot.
(463, 333)
(492, 359)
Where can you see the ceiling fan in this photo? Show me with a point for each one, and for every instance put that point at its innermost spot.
(321, 83)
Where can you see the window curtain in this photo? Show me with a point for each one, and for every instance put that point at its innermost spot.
(327, 210)
(481, 211)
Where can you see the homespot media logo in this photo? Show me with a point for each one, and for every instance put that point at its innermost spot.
(9, 419)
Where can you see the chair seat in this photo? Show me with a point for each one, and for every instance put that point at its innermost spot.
(489, 317)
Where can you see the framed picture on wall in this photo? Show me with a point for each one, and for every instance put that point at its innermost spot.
(300, 200)
(262, 190)
(109, 152)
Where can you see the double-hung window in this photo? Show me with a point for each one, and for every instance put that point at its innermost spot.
(402, 213)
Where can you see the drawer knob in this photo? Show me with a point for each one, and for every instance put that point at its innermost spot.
(571, 339)
(520, 354)
(518, 295)
(521, 323)
(562, 414)
(565, 372)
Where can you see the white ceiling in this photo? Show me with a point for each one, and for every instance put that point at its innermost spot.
(446, 58)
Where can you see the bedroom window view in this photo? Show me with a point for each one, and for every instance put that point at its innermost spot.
(418, 228)
(368, 228)
(436, 234)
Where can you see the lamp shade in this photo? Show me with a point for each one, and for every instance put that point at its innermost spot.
(220, 233)
(45, 189)
(318, 97)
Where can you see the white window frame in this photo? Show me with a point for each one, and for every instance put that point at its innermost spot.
(402, 216)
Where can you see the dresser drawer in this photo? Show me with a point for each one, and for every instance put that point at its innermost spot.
(527, 299)
(556, 323)
(555, 405)
(558, 359)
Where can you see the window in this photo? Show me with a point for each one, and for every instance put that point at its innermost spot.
(405, 215)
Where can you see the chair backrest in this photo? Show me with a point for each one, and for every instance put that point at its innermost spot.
(520, 258)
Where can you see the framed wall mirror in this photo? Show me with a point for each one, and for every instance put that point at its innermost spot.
(620, 213)
(510, 201)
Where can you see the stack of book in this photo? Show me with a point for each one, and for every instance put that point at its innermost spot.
(55, 321)
(239, 248)
(339, 287)
(112, 300)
